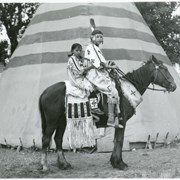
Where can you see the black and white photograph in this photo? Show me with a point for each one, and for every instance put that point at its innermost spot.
(89, 89)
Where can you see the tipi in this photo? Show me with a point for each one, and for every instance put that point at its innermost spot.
(41, 58)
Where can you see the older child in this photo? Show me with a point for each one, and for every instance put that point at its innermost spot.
(99, 76)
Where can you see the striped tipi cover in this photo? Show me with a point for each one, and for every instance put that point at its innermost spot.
(40, 60)
(55, 27)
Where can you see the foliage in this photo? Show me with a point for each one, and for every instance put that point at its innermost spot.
(16, 17)
(165, 26)
(3, 52)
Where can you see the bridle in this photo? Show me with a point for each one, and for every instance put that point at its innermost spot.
(156, 69)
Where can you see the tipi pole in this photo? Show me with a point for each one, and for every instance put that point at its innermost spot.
(165, 141)
(148, 144)
(155, 142)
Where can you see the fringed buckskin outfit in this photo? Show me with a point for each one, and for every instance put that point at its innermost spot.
(99, 76)
(75, 66)
(79, 121)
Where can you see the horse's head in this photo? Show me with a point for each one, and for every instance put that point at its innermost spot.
(161, 76)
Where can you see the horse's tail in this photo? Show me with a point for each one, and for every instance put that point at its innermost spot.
(43, 118)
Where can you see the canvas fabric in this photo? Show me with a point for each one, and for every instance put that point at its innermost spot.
(40, 60)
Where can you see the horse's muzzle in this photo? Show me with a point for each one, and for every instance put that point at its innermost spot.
(172, 87)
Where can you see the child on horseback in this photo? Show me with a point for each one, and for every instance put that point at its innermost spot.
(76, 72)
(98, 75)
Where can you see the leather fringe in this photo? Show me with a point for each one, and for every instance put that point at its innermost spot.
(81, 133)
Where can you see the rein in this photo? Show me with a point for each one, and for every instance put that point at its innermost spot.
(120, 72)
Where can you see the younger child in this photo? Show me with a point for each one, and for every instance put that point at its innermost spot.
(76, 72)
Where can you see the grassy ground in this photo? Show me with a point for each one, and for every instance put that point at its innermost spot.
(157, 163)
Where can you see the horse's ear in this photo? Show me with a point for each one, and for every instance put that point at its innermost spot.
(154, 59)
(150, 59)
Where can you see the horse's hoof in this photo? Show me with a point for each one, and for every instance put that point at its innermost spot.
(44, 169)
(69, 166)
(122, 166)
(63, 166)
(119, 165)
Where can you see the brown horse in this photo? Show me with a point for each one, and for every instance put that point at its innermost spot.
(52, 109)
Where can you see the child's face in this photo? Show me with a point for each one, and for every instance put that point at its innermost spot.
(98, 39)
(77, 52)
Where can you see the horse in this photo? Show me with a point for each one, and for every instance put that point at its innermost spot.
(53, 118)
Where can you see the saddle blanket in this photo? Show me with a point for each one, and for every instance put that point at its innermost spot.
(80, 126)
(77, 108)
(131, 93)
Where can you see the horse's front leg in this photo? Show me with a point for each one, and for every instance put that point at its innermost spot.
(116, 157)
(44, 161)
(61, 160)
(62, 163)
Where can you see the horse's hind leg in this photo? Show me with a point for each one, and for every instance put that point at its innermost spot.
(62, 163)
(45, 145)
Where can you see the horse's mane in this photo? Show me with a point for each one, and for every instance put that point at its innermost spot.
(139, 76)
(134, 75)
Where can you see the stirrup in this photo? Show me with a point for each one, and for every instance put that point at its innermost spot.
(115, 124)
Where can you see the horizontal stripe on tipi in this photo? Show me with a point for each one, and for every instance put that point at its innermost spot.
(63, 57)
(83, 21)
(110, 43)
(86, 11)
(84, 33)
(60, 6)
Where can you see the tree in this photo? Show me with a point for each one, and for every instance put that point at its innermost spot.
(3, 52)
(16, 17)
(165, 26)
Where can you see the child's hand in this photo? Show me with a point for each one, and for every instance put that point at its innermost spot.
(113, 66)
(83, 72)
(102, 64)
(100, 67)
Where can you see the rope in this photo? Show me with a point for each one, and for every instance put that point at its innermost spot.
(123, 74)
